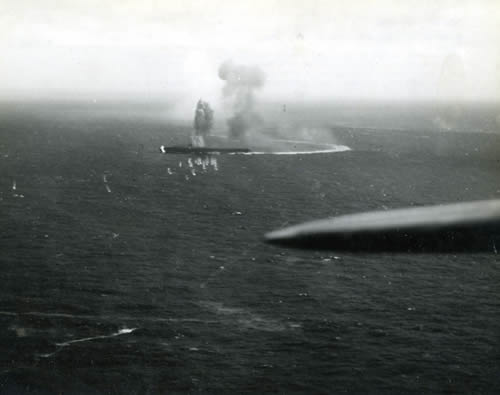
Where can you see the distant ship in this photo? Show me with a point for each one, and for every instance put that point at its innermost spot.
(198, 146)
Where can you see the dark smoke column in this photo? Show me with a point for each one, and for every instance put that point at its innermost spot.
(203, 118)
(241, 82)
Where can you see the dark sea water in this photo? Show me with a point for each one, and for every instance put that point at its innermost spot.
(123, 272)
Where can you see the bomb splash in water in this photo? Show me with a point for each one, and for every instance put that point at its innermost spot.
(203, 118)
(241, 84)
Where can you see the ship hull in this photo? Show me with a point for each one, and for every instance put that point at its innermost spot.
(202, 150)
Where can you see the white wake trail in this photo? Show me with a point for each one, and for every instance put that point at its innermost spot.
(332, 148)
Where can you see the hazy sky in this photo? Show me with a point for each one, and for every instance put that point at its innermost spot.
(309, 49)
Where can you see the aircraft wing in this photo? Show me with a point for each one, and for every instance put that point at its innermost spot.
(459, 227)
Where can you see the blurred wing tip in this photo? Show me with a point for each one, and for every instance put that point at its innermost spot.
(275, 236)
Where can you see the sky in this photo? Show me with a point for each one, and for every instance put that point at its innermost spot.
(309, 49)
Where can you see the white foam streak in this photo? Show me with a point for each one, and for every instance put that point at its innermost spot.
(123, 331)
(335, 148)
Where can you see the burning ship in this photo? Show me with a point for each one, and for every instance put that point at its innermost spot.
(203, 122)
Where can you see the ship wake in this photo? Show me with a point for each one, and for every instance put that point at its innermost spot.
(297, 147)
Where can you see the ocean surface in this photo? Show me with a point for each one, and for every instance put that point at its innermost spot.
(124, 270)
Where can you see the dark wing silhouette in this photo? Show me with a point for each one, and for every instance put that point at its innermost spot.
(459, 227)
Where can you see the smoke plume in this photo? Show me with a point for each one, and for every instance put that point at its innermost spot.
(241, 83)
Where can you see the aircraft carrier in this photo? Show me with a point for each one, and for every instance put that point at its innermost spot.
(204, 146)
